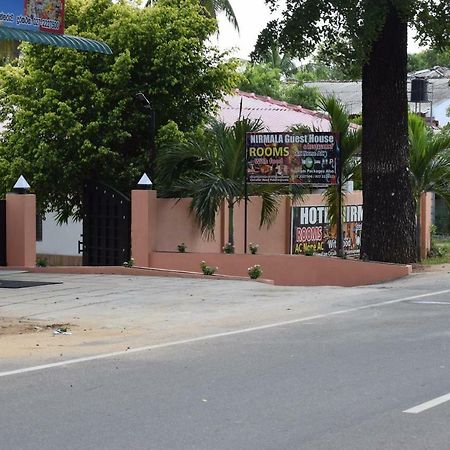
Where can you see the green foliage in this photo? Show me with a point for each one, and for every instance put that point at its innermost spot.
(129, 263)
(299, 94)
(254, 272)
(41, 262)
(182, 247)
(228, 248)
(440, 251)
(73, 115)
(261, 79)
(320, 71)
(273, 58)
(429, 155)
(213, 7)
(344, 30)
(208, 270)
(428, 59)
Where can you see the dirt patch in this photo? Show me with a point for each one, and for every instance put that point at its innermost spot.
(11, 326)
(431, 268)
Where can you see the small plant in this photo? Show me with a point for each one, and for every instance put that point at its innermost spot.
(253, 248)
(254, 272)
(208, 270)
(182, 247)
(41, 262)
(228, 248)
(129, 263)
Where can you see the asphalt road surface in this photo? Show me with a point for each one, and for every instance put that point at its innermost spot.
(372, 373)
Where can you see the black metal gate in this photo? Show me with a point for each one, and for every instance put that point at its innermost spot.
(2, 232)
(106, 226)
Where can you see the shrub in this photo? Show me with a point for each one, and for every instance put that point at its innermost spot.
(182, 247)
(207, 270)
(253, 248)
(228, 248)
(129, 263)
(255, 271)
(41, 262)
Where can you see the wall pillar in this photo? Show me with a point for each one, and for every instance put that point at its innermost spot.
(425, 223)
(21, 230)
(143, 226)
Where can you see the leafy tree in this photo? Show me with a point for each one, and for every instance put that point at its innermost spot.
(370, 38)
(428, 59)
(297, 93)
(261, 79)
(429, 154)
(273, 58)
(214, 7)
(319, 71)
(73, 115)
(210, 168)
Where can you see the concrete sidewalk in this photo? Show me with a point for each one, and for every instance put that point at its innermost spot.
(111, 312)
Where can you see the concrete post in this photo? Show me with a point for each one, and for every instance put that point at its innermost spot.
(21, 230)
(143, 226)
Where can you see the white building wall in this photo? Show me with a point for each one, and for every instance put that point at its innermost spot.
(59, 239)
(440, 112)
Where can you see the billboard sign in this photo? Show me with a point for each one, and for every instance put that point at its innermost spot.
(312, 232)
(292, 158)
(33, 15)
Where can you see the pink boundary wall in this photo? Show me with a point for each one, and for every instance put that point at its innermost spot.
(287, 270)
(174, 225)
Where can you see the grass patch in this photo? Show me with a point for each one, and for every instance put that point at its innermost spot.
(440, 251)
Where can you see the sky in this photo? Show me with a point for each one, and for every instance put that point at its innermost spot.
(252, 16)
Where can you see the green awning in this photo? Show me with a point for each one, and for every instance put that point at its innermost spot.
(58, 40)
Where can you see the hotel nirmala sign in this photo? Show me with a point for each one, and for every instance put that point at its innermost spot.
(292, 158)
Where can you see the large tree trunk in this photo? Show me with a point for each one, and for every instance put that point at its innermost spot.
(389, 219)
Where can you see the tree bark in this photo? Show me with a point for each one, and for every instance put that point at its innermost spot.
(389, 207)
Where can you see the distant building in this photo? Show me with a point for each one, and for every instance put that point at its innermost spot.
(435, 109)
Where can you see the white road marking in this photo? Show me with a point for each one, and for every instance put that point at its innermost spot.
(426, 302)
(428, 405)
(213, 336)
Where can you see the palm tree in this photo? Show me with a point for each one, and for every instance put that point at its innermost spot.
(274, 59)
(211, 169)
(214, 7)
(429, 157)
(350, 145)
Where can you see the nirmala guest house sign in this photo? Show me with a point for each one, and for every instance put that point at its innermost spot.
(292, 158)
(33, 15)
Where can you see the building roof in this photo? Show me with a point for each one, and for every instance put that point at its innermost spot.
(276, 115)
(350, 94)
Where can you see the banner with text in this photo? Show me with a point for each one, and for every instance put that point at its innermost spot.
(313, 234)
(33, 15)
(292, 158)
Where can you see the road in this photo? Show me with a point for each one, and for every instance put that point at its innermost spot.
(339, 368)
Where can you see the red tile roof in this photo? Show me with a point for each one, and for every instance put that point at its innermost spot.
(276, 115)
